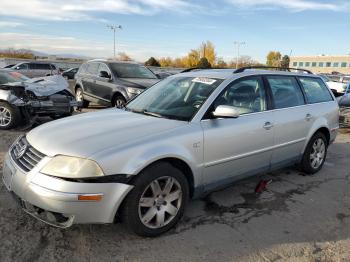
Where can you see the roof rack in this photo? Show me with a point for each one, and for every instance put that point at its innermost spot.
(242, 69)
(190, 69)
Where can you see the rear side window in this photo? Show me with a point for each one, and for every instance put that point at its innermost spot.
(285, 91)
(315, 90)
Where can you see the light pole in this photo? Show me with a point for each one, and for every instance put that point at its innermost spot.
(114, 28)
(238, 45)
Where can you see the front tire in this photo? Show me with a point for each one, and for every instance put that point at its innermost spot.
(119, 101)
(315, 154)
(79, 96)
(157, 201)
(10, 116)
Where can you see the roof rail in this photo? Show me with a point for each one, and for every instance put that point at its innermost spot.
(191, 69)
(242, 69)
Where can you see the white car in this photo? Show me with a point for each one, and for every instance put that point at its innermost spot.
(336, 87)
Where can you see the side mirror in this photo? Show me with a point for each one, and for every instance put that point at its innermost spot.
(225, 112)
(104, 74)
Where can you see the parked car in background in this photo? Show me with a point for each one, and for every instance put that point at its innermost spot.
(111, 83)
(23, 98)
(336, 87)
(184, 137)
(70, 73)
(344, 105)
(36, 69)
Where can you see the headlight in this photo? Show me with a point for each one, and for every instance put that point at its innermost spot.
(72, 167)
(135, 91)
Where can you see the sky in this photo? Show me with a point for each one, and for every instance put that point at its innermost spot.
(162, 28)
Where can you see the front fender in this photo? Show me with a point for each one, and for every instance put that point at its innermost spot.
(8, 96)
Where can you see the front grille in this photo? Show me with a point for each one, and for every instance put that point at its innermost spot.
(24, 155)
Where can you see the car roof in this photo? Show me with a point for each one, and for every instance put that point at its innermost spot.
(112, 61)
(229, 73)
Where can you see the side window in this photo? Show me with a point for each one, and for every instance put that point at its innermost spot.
(22, 67)
(82, 69)
(103, 67)
(316, 91)
(92, 68)
(247, 96)
(285, 91)
(33, 66)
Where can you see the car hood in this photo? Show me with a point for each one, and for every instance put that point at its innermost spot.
(44, 86)
(89, 133)
(139, 82)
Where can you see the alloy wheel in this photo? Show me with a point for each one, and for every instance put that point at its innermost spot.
(318, 153)
(160, 202)
(119, 103)
(5, 116)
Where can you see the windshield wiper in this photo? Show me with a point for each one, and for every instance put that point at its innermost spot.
(152, 114)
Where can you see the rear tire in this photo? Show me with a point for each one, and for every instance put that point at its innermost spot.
(10, 116)
(157, 201)
(315, 154)
(79, 96)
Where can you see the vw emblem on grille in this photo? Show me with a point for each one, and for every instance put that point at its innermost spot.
(21, 150)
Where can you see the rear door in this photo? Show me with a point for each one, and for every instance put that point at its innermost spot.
(237, 147)
(292, 119)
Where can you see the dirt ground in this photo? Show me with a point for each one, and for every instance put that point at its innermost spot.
(298, 218)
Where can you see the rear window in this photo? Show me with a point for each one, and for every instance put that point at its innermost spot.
(285, 91)
(124, 70)
(315, 90)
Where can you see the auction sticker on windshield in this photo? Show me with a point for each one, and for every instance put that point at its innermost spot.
(204, 80)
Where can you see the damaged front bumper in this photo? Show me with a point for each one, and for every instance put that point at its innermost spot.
(56, 201)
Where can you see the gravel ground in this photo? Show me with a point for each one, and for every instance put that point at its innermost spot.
(298, 218)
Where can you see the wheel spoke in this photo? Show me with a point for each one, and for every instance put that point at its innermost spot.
(173, 196)
(149, 215)
(160, 218)
(171, 209)
(156, 188)
(146, 202)
(168, 186)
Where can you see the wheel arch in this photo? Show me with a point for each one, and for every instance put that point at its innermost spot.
(115, 94)
(179, 164)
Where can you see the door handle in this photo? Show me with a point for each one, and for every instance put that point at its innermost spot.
(268, 125)
(308, 117)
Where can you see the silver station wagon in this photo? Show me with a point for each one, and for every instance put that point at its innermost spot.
(185, 136)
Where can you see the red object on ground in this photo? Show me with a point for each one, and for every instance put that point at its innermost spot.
(261, 186)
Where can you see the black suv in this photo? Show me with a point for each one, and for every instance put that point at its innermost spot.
(111, 83)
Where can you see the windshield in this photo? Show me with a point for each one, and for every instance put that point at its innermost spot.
(10, 77)
(176, 98)
(124, 70)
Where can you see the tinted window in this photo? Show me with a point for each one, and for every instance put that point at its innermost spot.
(315, 89)
(285, 91)
(343, 64)
(307, 64)
(328, 64)
(33, 66)
(314, 64)
(124, 70)
(22, 66)
(247, 96)
(301, 63)
(42, 67)
(92, 68)
(320, 64)
(295, 63)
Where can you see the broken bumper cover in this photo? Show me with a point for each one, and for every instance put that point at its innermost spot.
(56, 201)
(54, 107)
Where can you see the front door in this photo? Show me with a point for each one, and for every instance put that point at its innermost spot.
(238, 147)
